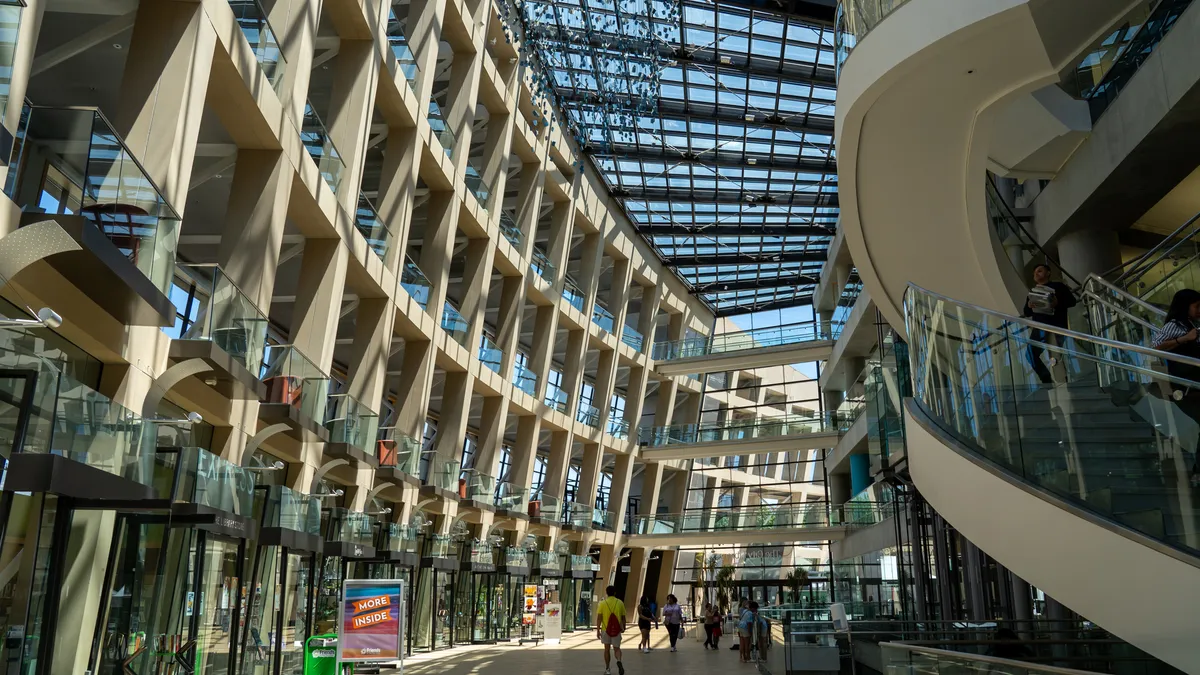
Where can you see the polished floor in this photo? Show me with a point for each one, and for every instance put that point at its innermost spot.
(581, 653)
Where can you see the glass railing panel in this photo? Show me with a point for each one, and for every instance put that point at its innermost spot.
(226, 316)
(442, 130)
(748, 518)
(556, 398)
(546, 506)
(632, 337)
(293, 380)
(511, 497)
(572, 293)
(292, 510)
(482, 553)
(480, 486)
(415, 283)
(1020, 245)
(10, 27)
(355, 527)
(773, 336)
(70, 161)
(906, 658)
(742, 429)
(406, 61)
(541, 266)
(603, 520)
(602, 318)
(476, 184)
(1116, 315)
(515, 557)
(579, 515)
(320, 147)
(489, 354)
(438, 546)
(398, 449)
(372, 227)
(350, 421)
(854, 19)
(445, 475)
(511, 232)
(1116, 453)
(454, 323)
(204, 478)
(588, 414)
(581, 563)
(264, 42)
(525, 379)
(549, 560)
(618, 426)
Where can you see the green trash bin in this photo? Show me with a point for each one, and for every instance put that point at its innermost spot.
(320, 656)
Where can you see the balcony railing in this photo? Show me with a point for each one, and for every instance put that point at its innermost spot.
(293, 380)
(10, 19)
(489, 354)
(756, 517)
(264, 42)
(320, 147)
(572, 293)
(479, 486)
(291, 510)
(350, 421)
(372, 227)
(735, 429)
(556, 398)
(581, 563)
(353, 527)
(618, 426)
(541, 266)
(398, 449)
(733, 341)
(511, 232)
(856, 18)
(603, 318)
(445, 475)
(196, 476)
(226, 316)
(70, 161)
(633, 338)
(588, 414)
(442, 130)
(478, 187)
(415, 283)
(546, 506)
(481, 553)
(438, 546)
(397, 538)
(405, 60)
(511, 497)
(515, 557)
(549, 560)
(577, 515)
(603, 520)
(525, 379)
(454, 324)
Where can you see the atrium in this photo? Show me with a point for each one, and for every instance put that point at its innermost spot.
(481, 336)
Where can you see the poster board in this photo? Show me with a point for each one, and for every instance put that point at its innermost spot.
(552, 629)
(371, 621)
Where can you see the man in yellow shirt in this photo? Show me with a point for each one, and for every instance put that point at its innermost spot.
(610, 623)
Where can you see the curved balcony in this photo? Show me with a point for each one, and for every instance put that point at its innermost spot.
(812, 522)
(742, 436)
(754, 348)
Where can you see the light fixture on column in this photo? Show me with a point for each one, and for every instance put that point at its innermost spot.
(43, 317)
(325, 495)
(381, 512)
(275, 466)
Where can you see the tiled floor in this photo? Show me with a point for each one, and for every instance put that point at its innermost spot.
(581, 654)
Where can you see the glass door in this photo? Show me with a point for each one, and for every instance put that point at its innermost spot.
(214, 627)
(464, 606)
(258, 636)
(567, 597)
(137, 567)
(443, 617)
(293, 619)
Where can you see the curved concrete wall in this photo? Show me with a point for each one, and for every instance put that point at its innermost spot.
(1143, 595)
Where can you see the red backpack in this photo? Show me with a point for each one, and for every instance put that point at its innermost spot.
(613, 627)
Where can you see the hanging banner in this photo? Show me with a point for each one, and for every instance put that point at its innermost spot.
(372, 620)
(552, 628)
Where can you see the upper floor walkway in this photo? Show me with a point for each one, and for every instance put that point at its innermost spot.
(743, 349)
(815, 522)
(733, 436)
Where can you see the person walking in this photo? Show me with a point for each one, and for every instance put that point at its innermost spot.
(712, 626)
(746, 623)
(1047, 302)
(735, 619)
(610, 624)
(673, 619)
(645, 617)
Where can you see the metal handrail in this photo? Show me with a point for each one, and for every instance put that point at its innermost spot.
(1170, 240)
(1094, 278)
(964, 656)
(1016, 222)
(1065, 332)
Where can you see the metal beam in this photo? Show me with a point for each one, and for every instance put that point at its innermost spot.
(726, 197)
(782, 281)
(101, 34)
(728, 230)
(723, 310)
(718, 159)
(744, 258)
(704, 112)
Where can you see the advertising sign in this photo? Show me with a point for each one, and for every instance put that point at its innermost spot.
(552, 629)
(372, 620)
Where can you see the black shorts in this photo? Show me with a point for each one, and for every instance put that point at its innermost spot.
(643, 624)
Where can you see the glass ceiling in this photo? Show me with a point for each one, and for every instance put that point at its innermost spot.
(713, 124)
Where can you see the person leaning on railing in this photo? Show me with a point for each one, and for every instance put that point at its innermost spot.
(1179, 335)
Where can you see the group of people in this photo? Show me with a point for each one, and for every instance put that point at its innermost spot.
(611, 620)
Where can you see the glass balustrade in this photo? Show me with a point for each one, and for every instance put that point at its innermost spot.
(441, 130)
(525, 379)
(602, 318)
(577, 515)
(489, 354)
(572, 293)
(406, 61)
(201, 477)
(541, 266)
(353, 527)
(510, 231)
(632, 337)
(618, 426)
(70, 161)
(454, 324)
(515, 557)
(438, 546)
(544, 506)
(588, 414)
(905, 658)
(1108, 439)
(480, 486)
(581, 563)
(742, 429)
(415, 283)
(397, 538)
(398, 449)
(746, 518)
(482, 553)
(295, 381)
(603, 520)
(774, 336)
(225, 315)
(511, 497)
(556, 398)
(445, 475)
(10, 28)
(264, 42)
(476, 184)
(350, 421)
(315, 138)
(372, 227)
(854, 19)
(549, 560)
(292, 510)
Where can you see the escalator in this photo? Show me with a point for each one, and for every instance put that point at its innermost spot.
(1082, 486)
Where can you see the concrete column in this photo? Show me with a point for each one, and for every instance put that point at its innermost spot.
(397, 189)
(425, 25)
(460, 105)
(441, 227)
(495, 157)
(295, 25)
(508, 332)
(558, 463)
(591, 258)
(161, 101)
(412, 401)
(589, 474)
(648, 315)
(618, 495)
(606, 380)
(22, 61)
(369, 352)
(452, 418)
(477, 277)
(356, 75)
(639, 560)
(635, 399)
(618, 300)
(1022, 612)
(973, 581)
(492, 422)
(573, 365)
(666, 579)
(319, 300)
(529, 202)
(545, 328)
(652, 479)
(562, 224)
(664, 406)
(1085, 251)
(524, 451)
(255, 218)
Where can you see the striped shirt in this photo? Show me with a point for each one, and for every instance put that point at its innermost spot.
(1171, 330)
